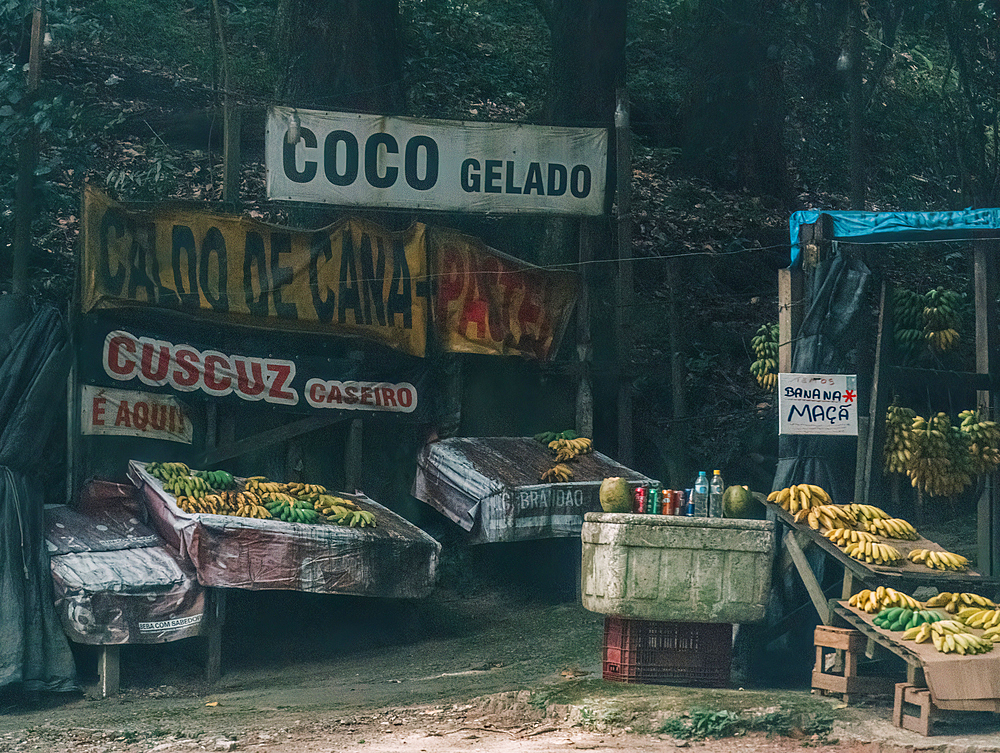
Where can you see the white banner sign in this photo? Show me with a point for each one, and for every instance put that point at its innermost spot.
(377, 161)
(818, 404)
(134, 414)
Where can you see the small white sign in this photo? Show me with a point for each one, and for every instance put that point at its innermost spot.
(818, 404)
(107, 411)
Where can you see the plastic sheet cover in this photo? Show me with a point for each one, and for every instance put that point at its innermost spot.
(34, 362)
(143, 595)
(490, 487)
(391, 559)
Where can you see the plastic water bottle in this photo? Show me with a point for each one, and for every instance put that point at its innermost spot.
(715, 489)
(700, 495)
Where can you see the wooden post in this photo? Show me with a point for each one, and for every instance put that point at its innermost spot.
(623, 288)
(985, 260)
(868, 487)
(352, 456)
(584, 388)
(790, 308)
(108, 663)
(216, 608)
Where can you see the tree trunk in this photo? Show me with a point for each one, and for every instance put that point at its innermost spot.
(588, 61)
(345, 55)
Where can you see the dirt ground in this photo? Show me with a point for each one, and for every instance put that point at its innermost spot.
(500, 658)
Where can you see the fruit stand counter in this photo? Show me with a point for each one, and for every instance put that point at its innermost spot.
(956, 682)
(392, 559)
(491, 487)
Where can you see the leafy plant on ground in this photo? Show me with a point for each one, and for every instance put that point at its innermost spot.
(700, 724)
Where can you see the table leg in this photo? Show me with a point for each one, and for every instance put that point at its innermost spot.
(108, 670)
(847, 591)
(808, 576)
(217, 617)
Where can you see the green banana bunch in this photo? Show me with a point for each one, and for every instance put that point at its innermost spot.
(222, 480)
(765, 348)
(983, 438)
(546, 437)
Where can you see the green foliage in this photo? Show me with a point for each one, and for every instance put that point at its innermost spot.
(701, 724)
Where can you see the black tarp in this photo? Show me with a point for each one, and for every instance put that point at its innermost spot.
(34, 362)
(827, 343)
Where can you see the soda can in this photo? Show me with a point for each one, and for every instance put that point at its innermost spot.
(679, 502)
(640, 499)
(689, 496)
(667, 502)
(653, 502)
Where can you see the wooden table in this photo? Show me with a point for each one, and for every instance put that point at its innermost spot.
(795, 536)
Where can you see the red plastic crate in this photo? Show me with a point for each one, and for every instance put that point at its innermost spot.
(667, 653)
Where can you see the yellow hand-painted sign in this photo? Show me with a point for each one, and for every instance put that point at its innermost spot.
(352, 278)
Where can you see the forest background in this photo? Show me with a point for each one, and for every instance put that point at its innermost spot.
(741, 111)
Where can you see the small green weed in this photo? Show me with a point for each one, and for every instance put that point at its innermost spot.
(700, 724)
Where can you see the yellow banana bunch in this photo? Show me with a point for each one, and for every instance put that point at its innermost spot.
(983, 438)
(844, 536)
(873, 553)
(826, 516)
(567, 449)
(186, 486)
(949, 636)
(558, 472)
(261, 484)
(865, 513)
(301, 490)
(899, 441)
(194, 505)
(332, 505)
(765, 348)
(960, 643)
(891, 528)
(252, 510)
(992, 634)
(799, 497)
(941, 318)
(978, 617)
(163, 471)
(953, 602)
(938, 560)
(941, 464)
(875, 600)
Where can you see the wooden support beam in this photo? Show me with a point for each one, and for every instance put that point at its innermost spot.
(267, 438)
(624, 290)
(812, 585)
(986, 257)
(584, 388)
(791, 305)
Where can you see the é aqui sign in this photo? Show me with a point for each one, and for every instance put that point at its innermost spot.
(818, 404)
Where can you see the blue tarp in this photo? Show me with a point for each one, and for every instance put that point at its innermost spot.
(896, 227)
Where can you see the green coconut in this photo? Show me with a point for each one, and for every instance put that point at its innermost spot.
(616, 495)
(740, 502)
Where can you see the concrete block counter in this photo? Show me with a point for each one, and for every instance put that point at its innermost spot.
(675, 568)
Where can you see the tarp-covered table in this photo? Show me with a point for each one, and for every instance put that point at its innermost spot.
(116, 582)
(490, 487)
(391, 559)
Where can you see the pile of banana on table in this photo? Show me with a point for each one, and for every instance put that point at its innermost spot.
(860, 530)
(946, 620)
(220, 493)
(565, 445)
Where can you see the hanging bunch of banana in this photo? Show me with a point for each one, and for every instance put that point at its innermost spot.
(941, 319)
(899, 440)
(908, 322)
(765, 348)
(941, 465)
(983, 439)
